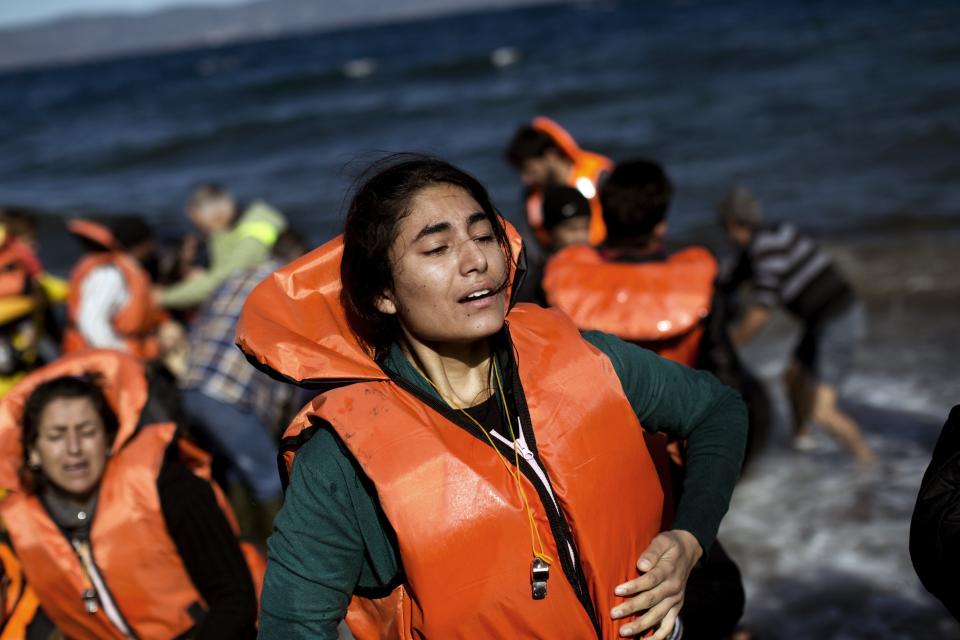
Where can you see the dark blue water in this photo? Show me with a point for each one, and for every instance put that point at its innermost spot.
(836, 113)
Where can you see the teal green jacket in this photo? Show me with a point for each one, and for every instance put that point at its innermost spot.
(332, 539)
(245, 245)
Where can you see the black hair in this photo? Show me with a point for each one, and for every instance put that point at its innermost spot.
(382, 199)
(634, 199)
(290, 245)
(561, 203)
(130, 230)
(127, 230)
(18, 220)
(529, 144)
(57, 389)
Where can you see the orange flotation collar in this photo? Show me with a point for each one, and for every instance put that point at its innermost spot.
(294, 327)
(651, 302)
(94, 232)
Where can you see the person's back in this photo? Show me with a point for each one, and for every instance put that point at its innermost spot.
(110, 304)
(633, 288)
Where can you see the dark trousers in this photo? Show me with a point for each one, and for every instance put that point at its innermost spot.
(714, 600)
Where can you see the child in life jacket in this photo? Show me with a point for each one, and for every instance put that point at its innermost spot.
(112, 517)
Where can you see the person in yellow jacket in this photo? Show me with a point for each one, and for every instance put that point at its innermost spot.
(27, 328)
(236, 240)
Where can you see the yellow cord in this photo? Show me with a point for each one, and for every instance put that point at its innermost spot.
(536, 542)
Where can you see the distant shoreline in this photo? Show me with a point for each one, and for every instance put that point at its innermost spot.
(89, 39)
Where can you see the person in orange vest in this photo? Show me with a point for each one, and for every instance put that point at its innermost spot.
(471, 468)
(110, 305)
(21, 617)
(668, 303)
(545, 154)
(24, 309)
(117, 536)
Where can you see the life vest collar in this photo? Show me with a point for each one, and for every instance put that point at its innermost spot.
(94, 232)
(558, 134)
(293, 325)
(124, 384)
(635, 301)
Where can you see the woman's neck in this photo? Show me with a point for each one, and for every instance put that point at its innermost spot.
(460, 372)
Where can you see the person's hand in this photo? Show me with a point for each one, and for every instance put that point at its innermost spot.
(171, 336)
(665, 565)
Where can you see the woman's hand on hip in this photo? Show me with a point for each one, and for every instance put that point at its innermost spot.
(665, 565)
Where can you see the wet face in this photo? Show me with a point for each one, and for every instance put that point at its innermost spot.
(570, 233)
(448, 270)
(71, 446)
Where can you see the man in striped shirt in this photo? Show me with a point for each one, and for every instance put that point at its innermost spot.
(787, 268)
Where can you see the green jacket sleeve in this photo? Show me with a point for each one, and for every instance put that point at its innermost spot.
(328, 541)
(249, 253)
(682, 402)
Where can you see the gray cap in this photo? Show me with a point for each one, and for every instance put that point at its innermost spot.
(741, 207)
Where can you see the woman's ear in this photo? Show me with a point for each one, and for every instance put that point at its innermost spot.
(33, 459)
(386, 304)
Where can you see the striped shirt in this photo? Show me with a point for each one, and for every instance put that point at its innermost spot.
(790, 269)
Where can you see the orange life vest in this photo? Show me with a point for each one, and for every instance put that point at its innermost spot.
(138, 320)
(14, 274)
(585, 176)
(658, 304)
(463, 539)
(135, 555)
(19, 602)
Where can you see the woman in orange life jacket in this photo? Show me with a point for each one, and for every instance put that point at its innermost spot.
(471, 468)
(117, 537)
